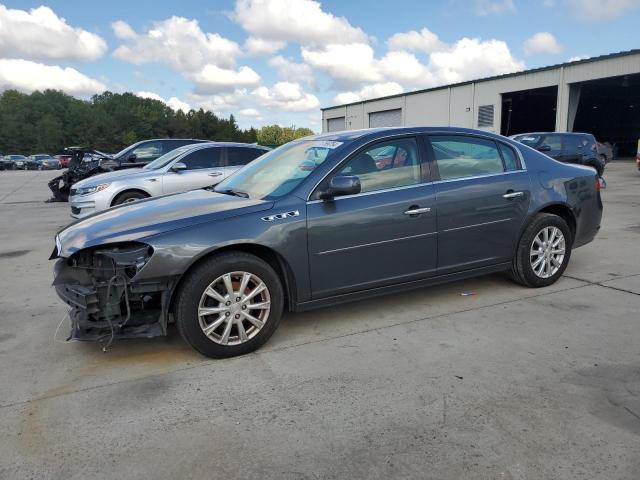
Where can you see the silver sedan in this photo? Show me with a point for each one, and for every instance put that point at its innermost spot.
(186, 168)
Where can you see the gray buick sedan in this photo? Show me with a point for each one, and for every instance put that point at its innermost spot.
(320, 221)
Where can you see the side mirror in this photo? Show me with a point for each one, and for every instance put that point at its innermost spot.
(339, 186)
(544, 148)
(132, 157)
(178, 166)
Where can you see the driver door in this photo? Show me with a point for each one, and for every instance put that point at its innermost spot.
(373, 239)
(204, 169)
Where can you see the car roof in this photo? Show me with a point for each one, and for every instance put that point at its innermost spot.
(551, 133)
(372, 133)
(197, 146)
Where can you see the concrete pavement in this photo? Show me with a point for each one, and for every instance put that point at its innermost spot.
(507, 383)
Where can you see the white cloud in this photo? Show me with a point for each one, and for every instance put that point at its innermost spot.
(354, 65)
(369, 91)
(259, 46)
(599, 10)
(174, 102)
(493, 7)
(471, 58)
(123, 30)
(577, 58)
(249, 112)
(215, 79)
(224, 102)
(286, 96)
(28, 76)
(177, 42)
(423, 41)
(542, 42)
(301, 21)
(291, 71)
(348, 64)
(405, 68)
(41, 34)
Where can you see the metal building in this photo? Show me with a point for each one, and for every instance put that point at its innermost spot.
(599, 95)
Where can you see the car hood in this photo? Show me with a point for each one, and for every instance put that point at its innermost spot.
(144, 218)
(111, 176)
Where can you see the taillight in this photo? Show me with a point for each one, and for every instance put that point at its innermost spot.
(598, 184)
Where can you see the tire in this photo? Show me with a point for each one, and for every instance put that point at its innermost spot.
(128, 197)
(522, 270)
(207, 276)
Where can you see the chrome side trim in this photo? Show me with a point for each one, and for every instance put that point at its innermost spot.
(373, 192)
(382, 242)
(476, 225)
(475, 177)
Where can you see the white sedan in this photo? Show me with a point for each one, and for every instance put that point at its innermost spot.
(186, 168)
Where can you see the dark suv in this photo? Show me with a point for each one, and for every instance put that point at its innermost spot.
(141, 153)
(580, 148)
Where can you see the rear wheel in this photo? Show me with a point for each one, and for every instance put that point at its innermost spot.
(543, 251)
(229, 305)
(128, 197)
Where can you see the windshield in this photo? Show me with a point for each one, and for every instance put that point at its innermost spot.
(165, 159)
(121, 152)
(528, 140)
(279, 171)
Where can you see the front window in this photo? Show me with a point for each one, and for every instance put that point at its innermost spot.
(389, 164)
(278, 172)
(148, 151)
(167, 158)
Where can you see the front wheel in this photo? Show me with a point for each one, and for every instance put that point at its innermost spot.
(543, 251)
(128, 197)
(229, 305)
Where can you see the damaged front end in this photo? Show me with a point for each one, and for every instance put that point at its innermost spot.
(107, 299)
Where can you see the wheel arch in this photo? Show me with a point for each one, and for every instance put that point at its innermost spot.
(267, 254)
(563, 211)
(128, 190)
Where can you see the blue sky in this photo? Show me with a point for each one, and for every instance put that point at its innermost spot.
(305, 54)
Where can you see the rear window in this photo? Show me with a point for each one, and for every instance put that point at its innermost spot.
(509, 157)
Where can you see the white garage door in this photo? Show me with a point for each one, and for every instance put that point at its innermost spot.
(388, 118)
(335, 124)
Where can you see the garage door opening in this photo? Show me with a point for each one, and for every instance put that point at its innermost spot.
(610, 110)
(529, 111)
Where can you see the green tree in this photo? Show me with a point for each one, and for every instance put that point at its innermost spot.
(48, 121)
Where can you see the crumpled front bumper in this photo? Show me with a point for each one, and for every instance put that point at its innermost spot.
(107, 302)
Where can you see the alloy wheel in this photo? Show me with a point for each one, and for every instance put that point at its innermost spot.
(234, 308)
(547, 252)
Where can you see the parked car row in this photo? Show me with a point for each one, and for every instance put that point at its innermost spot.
(318, 221)
(188, 167)
(39, 161)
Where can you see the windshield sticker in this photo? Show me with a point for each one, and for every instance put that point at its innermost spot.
(327, 144)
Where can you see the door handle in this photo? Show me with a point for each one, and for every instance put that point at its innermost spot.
(215, 174)
(513, 194)
(417, 210)
(152, 179)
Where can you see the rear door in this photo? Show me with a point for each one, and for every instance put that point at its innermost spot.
(483, 194)
(204, 168)
(386, 234)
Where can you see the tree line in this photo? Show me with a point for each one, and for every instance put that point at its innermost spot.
(49, 121)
